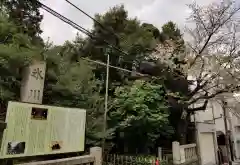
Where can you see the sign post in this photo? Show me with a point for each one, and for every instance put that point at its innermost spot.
(33, 83)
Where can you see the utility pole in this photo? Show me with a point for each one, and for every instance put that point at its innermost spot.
(106, 101)
(224, 104)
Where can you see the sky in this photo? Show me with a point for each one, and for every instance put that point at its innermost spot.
(156, 12)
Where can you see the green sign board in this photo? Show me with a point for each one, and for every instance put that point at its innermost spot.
(41, 130)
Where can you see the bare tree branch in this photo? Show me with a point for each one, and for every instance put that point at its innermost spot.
(200, 108)
(208, 22)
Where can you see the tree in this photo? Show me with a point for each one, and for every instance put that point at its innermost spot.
(170, 32)
(72, 83)
(169, 67)
(16, 52)
(140, 110)
(26, 15)
(129, 35)
(212, 59)
(139, 42)
(68, 82)
(214, 51)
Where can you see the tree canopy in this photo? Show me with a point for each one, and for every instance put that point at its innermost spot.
(25, 14)
(73, 82)
(152, 103)
(140, 110)
(16, 52)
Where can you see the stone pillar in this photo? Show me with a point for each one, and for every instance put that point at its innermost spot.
(176, 152)
(182, 155)
(160, 153)
(33, 83)
(97, 153)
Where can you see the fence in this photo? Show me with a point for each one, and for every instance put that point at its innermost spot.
(95, 158)
(166, 155)
(115, 159)
(184, 154)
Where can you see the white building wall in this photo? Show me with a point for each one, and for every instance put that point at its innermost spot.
(215, 111)
(218, 116)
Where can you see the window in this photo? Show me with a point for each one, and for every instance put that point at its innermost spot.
(39, 113)
(15, 148)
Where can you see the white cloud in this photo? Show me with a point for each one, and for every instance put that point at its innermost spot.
(156, 12)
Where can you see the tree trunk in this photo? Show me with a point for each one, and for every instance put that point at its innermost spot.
(180, 125)
(182, 129)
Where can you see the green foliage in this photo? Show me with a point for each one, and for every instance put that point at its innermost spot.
(143, 160)
(72, 84)
(68, 82)
(140, 110)
(16, 52)
(136, 39)
(171, 32)
(26, 16)
(137, 108)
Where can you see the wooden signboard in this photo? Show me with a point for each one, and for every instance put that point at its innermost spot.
(41, 130)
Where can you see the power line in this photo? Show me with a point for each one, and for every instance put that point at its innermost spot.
(106, 29)
(80, 28)
(76, 26)
(101, 25)
(83, 30)
(88, 33)
(111, 66)
(64, 19)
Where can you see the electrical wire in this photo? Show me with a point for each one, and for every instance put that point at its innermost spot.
(115, 67)
(101, 25)
(76, 26)
(88, 33)
(64, 19)
(83, 30)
